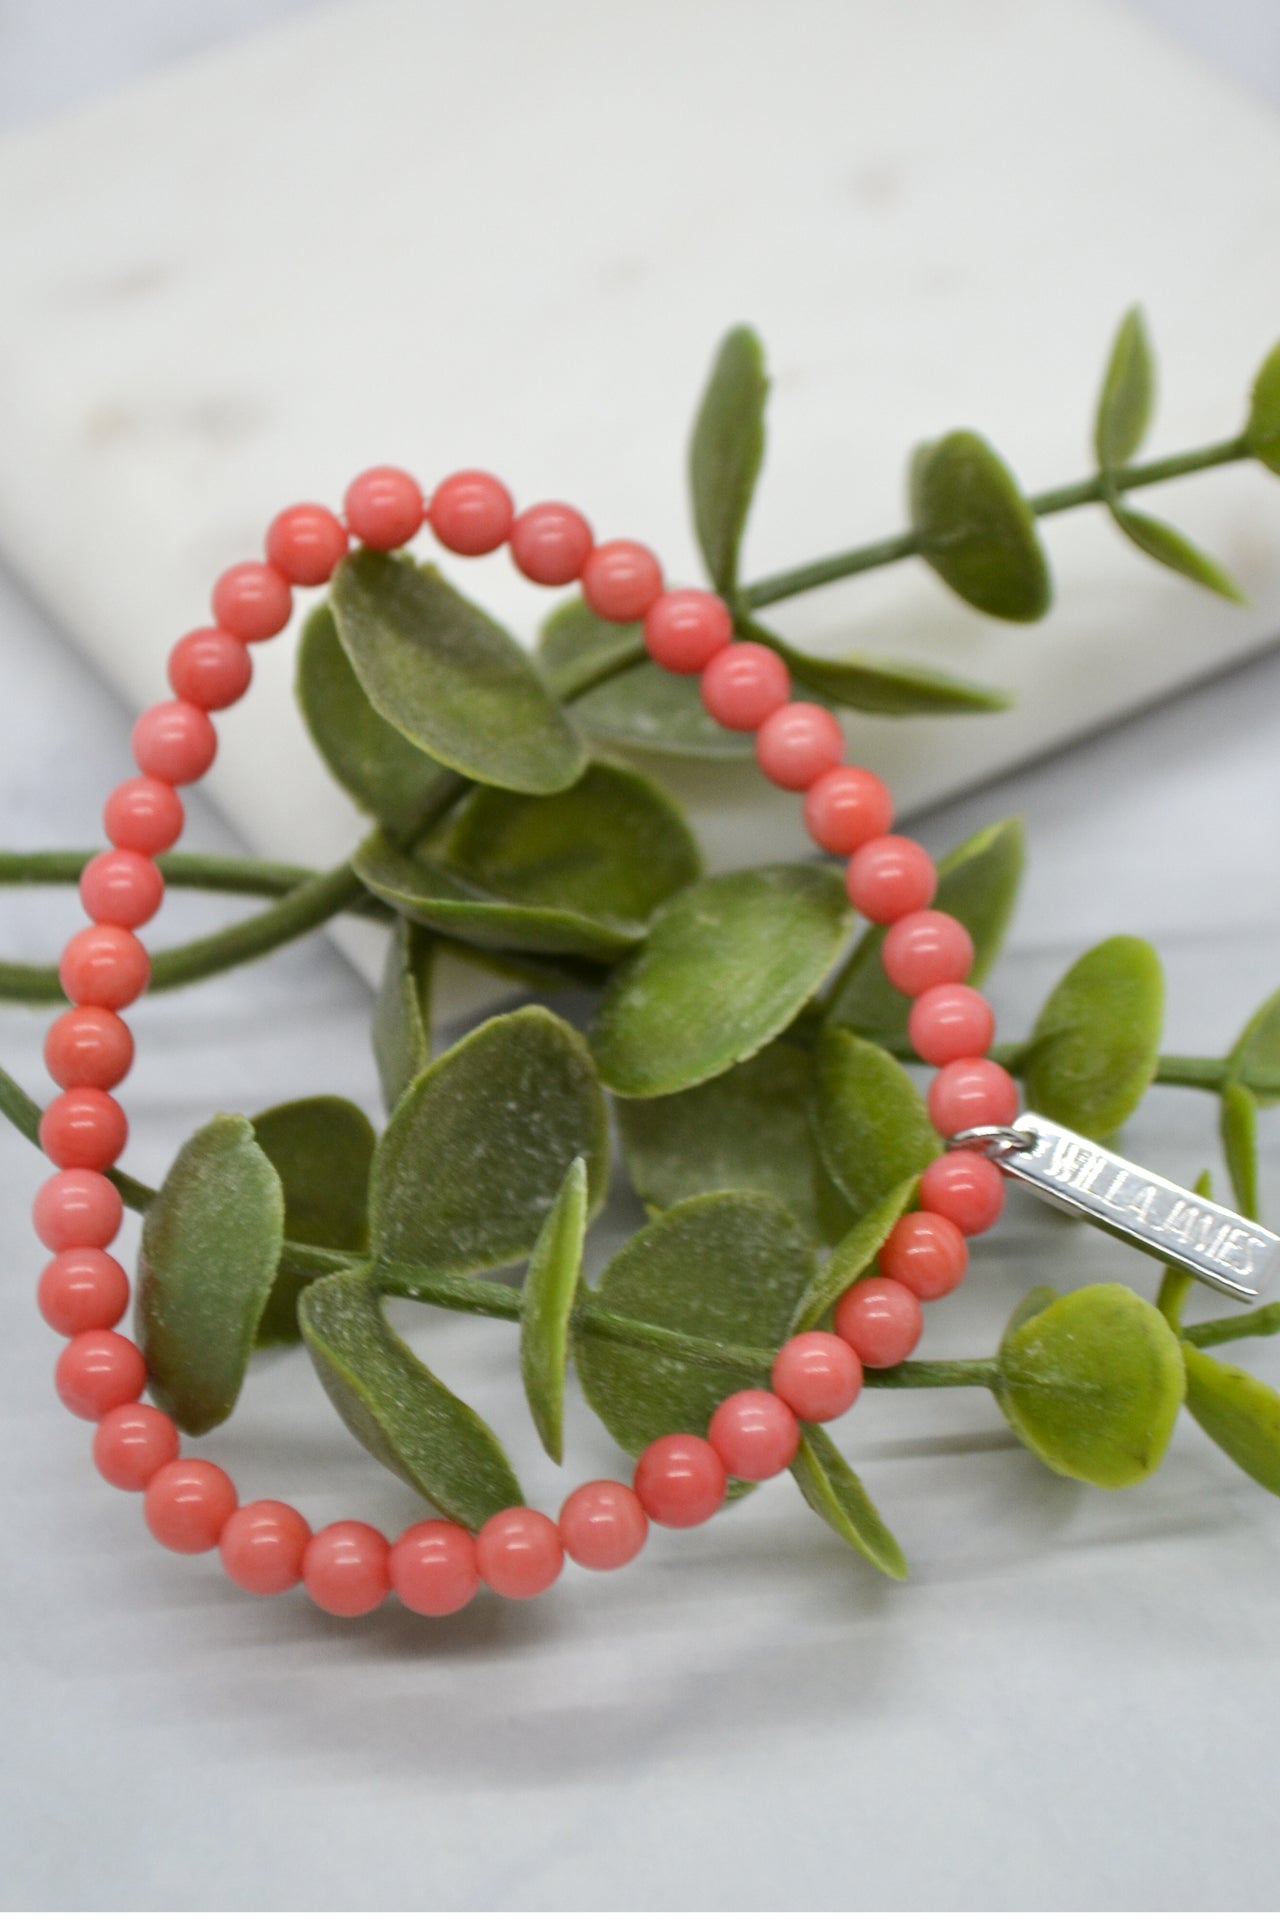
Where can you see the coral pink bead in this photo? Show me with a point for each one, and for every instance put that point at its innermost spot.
(550, 543)
(210, 668)
(77, 1208)
(82, 1290)
(890, 876)
(951, 1022)
(88, 1047)
(433, 1567)
(104, 967)
(818, 1375)
(845, 807)
(187, 1504)
(174, 741)
(132, 1442)
(797, 744)
(621, 580)
(881, 1319)
(384, 507)
(122, 887)
(471, 513)
(519, 1553)
(603, 1525)
(84, 1127)
(926, 1253)
(926, 949)
(306, 542)
(97, 1371)
(755, 1433)
(686, 628)
(680, 1480)
(971, 1093)
(346, 1568)
(252, 601)
(744, 684)
(965, 1188)
(261, 1546)
(143, 814)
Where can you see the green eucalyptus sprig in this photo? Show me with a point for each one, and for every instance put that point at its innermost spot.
(752, 1055)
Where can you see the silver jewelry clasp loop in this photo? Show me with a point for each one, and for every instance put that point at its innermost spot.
(995, 1142)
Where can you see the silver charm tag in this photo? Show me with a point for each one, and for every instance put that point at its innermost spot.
(1181, 1228)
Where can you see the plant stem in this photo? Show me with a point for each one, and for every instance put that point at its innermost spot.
(1080, 493)
(1198, 1070)
(209, 872)
(136, 1194)
(304, 907)
(579, 677)
(1240, 1326)
(1201, 1070)
(298, 912)
(18, 1107)
(935, 1373)
(499, 1300)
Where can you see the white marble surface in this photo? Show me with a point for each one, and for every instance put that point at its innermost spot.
(1072, 1705)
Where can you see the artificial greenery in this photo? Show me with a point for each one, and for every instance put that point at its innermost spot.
(741, 1028)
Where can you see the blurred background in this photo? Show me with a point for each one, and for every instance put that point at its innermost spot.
(56, 54)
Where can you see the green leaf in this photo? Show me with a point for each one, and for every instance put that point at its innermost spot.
(402, 1010)
(855, 1254)
(555, 1267)
(1172, 549)
(613, 847)
(1123, 414)
(976, 530)
(382, 771)
(726, 452)
(645, 707)
(433, 895)
(1237, 1411)
(211, 1244)
(449, 679)
(725, 1266)
(1262, 429)
(544, 972)
(1031, 1303)
(748, 1129)
(727, 965)
(1097, 1040)
(1092, 1385)
(869, 1119)
(322, 1149)
(1255, 1056)
(978, 882)
(1238, 1123)
(834, 1491)
(479, 1146)
(1128, 394)
(894, 687)
(397, 1409)
(578, 872)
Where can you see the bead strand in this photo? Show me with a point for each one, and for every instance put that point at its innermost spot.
(436, 1567)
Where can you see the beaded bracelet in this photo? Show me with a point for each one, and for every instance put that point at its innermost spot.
(680, 1480)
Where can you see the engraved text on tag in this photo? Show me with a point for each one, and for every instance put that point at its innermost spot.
(1182, 1228)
